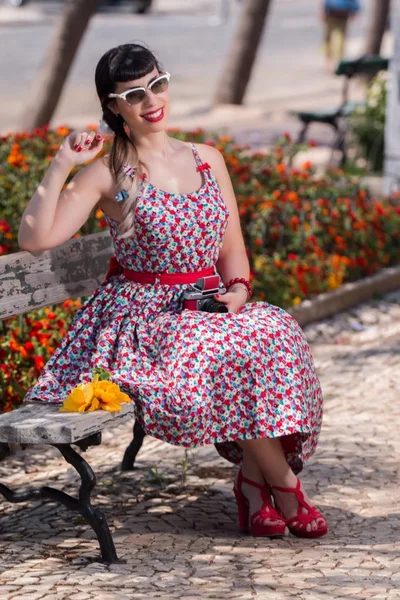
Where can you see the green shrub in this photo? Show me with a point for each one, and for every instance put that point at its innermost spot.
(367, 124)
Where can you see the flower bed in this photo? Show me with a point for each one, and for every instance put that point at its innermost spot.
(304, 235)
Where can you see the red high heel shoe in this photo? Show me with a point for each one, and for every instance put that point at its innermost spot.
(258, 524)
(298, 525)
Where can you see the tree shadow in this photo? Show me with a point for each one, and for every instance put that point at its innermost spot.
(144, 511)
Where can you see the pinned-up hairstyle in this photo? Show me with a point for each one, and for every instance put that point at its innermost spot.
(120, 64)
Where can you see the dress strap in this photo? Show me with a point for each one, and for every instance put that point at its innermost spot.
(200, 165)
(196, 154)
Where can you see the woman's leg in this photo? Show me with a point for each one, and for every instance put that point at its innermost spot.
(339, 38)
(266, 457)
(252, 471)
(328, 44)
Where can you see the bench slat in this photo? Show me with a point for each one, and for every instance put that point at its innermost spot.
(29, 281)
(43, 424)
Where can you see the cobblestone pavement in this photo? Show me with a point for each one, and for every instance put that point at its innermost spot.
(174, 520)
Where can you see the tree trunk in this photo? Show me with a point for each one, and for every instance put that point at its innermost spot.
(56, 64)
(377, 26)
(236, 75)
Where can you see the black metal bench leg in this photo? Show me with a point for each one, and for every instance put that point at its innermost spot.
(128, 462)
(342, 148)
(93, 516)
(340, 144)
(302, 135)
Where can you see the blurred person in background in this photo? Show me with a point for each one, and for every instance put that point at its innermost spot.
(335, 16)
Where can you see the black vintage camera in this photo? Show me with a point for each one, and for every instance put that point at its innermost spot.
(200, 295)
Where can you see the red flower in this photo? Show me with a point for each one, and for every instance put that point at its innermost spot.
(4, 226)
(39, 362)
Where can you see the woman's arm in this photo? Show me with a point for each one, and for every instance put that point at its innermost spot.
(232, 261)
(53, 216)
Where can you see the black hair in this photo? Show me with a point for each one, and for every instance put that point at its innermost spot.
(120, 64)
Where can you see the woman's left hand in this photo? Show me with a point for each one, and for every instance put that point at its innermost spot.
(233, 300)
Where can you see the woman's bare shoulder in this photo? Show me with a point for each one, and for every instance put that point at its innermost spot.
(211, 155)
(108, 188)
(99, 170)
(208, 152)
(102, 167)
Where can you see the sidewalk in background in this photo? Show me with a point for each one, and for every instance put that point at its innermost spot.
(265, 114)
(36, 12)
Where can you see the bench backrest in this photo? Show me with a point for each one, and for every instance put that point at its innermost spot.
(29, 281)
(370, 64)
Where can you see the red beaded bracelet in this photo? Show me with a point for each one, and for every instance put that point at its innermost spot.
(241, 280)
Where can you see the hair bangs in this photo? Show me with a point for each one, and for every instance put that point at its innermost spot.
(132, 65)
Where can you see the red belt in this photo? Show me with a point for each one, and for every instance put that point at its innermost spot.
(164, 278)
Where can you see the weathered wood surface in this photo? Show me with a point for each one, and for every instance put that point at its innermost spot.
(43, 424)
(29, 281)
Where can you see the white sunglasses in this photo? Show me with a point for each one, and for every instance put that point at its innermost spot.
(137, 94)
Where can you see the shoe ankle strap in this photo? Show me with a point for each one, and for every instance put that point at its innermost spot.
(243, 479)
(288, 490)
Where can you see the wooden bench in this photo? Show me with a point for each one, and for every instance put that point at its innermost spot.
(367, 65)
(28, 282)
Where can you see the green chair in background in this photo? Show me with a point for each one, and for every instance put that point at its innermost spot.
(368, 66)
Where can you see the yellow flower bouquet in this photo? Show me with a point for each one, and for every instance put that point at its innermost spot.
(97, 394)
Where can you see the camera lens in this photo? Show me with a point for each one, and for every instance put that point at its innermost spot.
(211, 305)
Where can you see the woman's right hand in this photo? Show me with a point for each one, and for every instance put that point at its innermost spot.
(78, 148)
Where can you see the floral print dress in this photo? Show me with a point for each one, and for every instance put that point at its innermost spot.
(195, 378)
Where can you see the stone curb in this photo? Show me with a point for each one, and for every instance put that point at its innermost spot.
(347, 296)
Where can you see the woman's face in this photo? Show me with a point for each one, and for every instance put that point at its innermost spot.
(150, 115)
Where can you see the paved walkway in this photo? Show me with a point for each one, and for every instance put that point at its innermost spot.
(176, 526)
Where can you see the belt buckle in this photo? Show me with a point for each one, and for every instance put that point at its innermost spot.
(157, 279)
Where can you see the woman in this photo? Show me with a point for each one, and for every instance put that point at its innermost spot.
(244, 379)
